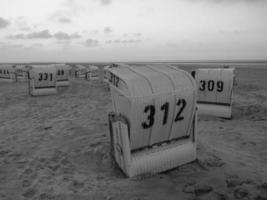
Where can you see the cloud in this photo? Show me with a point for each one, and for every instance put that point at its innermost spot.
(45, 34)
(39, 35)
(132, 34)
(105, 2)
(65, 36)
(130, 41)
(22, 23)
(91, 42)
(3, 23)
(37, 45)
(16, 36)
(233, 31)
(10, 46)
(107, 30)
(137, 34)
(109, 41)
(64, 20)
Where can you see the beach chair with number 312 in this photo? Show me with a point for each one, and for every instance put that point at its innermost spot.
(153, 123)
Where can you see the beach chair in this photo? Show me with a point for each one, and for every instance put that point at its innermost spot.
(92, 73)
(21, 73)
(7, 73)
(78, 72)
(215, 91)
(42, 80)
(153, 123)
(106, 72)
(62, 75)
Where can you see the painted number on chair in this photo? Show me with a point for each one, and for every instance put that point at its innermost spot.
(45, 77)
(60, 72)
(211, 85)
(114, 79)
(150, 110)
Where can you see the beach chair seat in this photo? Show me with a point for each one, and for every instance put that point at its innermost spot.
(153, 123)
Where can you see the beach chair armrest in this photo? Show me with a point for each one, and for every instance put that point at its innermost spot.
(119, 135)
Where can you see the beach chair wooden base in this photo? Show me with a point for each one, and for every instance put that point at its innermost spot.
(224, 111)
(155, 159)
(62, 83)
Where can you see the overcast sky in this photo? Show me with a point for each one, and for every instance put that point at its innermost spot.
(132, 30)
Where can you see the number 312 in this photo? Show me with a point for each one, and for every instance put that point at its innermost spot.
(165, 108)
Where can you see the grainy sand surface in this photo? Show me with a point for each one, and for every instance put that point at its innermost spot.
(57, 147)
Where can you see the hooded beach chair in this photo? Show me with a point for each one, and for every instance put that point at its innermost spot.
(21, 73)
(7, 73)
(106, 72)
(92, 73)
(215, 91)
(42, 80)
(62, 75)
(153, 123)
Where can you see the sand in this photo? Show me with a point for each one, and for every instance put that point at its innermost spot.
(58, 147)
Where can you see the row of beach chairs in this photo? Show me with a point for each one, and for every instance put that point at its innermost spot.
(44, 79)
(153, 123)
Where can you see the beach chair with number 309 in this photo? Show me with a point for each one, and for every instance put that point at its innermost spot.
(215, 91)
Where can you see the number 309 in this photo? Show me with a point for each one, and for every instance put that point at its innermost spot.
(210, 85)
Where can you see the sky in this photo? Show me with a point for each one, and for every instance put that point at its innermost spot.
(132, 30)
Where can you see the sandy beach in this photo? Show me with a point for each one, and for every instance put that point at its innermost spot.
(58, 147)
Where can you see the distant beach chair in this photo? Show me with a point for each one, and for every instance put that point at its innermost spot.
(62, 75)
(106, 72)
(7, 73)
(153, 123)
(21, 72)
(78, 71)
(92, 73)
(42, 80)
(215, 91)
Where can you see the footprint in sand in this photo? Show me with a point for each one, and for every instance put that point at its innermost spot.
(240, 193)
(203, 191)
(46, 196)
(26, 183)
(234, 181)
(29, 193)
(198, 188)
(212, 161)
